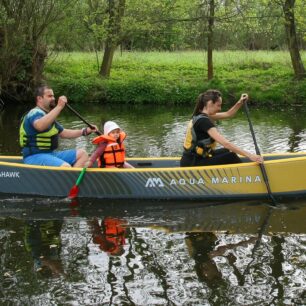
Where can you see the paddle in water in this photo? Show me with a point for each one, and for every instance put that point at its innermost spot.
(74, 191)
(262, 167)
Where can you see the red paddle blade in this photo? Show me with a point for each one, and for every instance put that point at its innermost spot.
(74, 191)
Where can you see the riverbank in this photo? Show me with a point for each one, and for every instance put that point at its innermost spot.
(176, 78)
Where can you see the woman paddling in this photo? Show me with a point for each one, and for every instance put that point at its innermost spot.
(202, 134)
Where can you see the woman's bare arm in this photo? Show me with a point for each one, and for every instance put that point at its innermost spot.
(213, 132)
(232, 111)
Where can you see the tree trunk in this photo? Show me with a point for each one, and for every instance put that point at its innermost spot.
(38, 62)
(288, 8)
(210, 67)
(116, 12)
(107, 60)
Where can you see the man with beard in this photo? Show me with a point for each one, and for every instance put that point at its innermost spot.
(39, 133)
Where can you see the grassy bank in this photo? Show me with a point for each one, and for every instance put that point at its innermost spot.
(176, 78)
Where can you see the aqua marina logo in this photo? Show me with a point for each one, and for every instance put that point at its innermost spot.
(154, 182)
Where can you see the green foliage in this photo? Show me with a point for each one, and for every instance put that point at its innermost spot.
(301, 20)
(176, 78)
(174, 25)
(144, 91)
(23, 49)
(28, 28)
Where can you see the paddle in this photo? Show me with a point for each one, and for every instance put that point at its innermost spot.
(262, 167)
(74, 191)
(82, 118)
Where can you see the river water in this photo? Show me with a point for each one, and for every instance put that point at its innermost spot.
(155, 253)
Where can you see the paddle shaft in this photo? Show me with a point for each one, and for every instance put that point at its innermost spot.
(82, 118)
(80, 176)
(262, 167)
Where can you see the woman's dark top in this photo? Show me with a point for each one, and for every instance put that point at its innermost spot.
(219, 156)
(202, 126)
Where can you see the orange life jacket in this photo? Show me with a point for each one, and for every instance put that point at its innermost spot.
(114, 152)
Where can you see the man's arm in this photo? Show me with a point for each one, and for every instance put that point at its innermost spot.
(69, 133)
(44, 122)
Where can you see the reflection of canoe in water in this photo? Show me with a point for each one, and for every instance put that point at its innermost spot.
(242, 218)
(160, 178)
(184, 216)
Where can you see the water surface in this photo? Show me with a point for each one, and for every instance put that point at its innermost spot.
(92, 252)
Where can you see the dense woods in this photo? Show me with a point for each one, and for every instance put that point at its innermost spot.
(33, 30)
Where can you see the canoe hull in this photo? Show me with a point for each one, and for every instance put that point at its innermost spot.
(160, 179)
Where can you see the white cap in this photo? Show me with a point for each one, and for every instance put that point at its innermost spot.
(110, 126)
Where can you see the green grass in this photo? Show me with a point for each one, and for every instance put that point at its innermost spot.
(176, 77)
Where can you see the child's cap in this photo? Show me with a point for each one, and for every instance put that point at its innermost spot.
(110, 126)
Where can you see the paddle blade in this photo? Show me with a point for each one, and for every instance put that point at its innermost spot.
(74, 191)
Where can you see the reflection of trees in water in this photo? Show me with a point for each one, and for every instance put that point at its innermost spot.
(297, 125)
(277, 267)
(295, 139)
(155, 266)
(267, 281)
(110, 234)
(1, 105)
(219, 261)
(9, 129)
(172, 120)
(151, 261)
(202, 247)
(42, 240)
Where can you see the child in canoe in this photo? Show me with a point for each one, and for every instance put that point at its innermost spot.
(110, 152)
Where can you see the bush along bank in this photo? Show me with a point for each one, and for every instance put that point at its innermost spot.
(166, 81)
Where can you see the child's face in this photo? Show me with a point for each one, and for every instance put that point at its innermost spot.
(114, 133)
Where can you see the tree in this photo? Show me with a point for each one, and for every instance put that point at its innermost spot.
(210, 67)
(116, 12)
(293, 46)
(74, 32)
(104, 22)
(23, 48)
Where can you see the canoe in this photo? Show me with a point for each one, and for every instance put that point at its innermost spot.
(161, 179)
